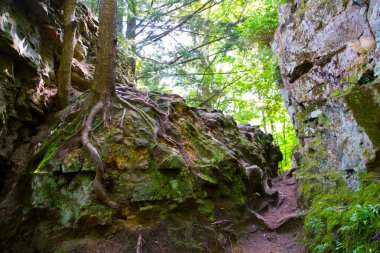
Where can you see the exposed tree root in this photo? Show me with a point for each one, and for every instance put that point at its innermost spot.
(121, 120)
(99, 177)
(125, 98)
(158, 129)
(161, 128)
(274, 226)
(143, 115)
(268, 190)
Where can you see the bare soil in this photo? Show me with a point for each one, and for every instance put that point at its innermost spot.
(281, 223)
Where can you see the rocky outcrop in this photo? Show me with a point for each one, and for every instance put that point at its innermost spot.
(181, 168)
(328, 53)
(183, 176)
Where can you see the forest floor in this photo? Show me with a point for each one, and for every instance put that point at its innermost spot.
(281, 230)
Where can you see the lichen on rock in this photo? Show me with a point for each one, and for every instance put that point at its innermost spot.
(329, 61)
(338, 42)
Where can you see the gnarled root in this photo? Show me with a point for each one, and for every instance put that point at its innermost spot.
(158, 130)
(256, 177)
(271, 226)
(98, 186)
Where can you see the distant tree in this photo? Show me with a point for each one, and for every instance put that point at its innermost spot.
(131, 35)
(69, 41)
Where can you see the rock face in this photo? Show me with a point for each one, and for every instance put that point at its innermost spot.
(182, 179)
(195, 167)
(30, 45)
(329, 58)
(30, 42)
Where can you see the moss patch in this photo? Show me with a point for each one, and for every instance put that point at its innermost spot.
(340, 219)
(366, 112)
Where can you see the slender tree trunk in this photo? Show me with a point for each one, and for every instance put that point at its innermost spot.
(104, 78)
(104, 89)
(273, 132)
(285, 142)
(264, 121)
(120, 17)
(131, 35)
(64, 72)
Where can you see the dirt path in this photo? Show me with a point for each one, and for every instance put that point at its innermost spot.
(281, 226)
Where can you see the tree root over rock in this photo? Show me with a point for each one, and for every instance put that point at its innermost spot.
(162, 126)
(125, 97)
(99, 177)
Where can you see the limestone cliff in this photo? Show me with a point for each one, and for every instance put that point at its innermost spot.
(329, 57)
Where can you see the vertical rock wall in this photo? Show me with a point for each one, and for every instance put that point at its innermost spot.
(329, 58)
(30, 44)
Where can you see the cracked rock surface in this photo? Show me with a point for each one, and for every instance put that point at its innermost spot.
(328, 53)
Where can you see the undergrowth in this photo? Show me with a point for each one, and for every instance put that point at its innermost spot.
(340, 219)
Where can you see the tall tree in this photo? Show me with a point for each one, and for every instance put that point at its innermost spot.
(104, 89)
(104, 79)
(64, 72)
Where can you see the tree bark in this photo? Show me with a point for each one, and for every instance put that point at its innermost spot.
(69, 41)
(104, 78)
(104, 89)
(131, 36)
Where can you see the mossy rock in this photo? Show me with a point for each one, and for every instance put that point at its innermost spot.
(194, 165)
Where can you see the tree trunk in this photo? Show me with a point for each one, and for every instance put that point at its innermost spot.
(104, 79)
(264, 120)
(131, 36)
(104, 89)
(64, 72)
(285, 143)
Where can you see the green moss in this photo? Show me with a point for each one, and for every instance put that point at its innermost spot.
(156, 186)
(324, 119)
(173, 161)
(62, 249)
(341, 93)
(64, 198)
(340, 219)
(206, 207)
(49, 155)
(366, 111)
(51, 145)
(44, 191)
